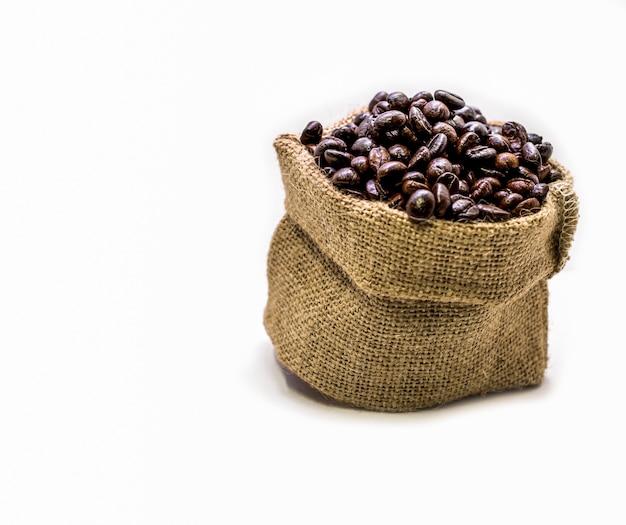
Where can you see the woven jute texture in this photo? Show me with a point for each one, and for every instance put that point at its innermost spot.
(380, 313)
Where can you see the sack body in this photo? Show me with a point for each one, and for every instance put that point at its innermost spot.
(380, 313)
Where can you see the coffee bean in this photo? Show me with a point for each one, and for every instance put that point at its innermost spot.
(398, 100)
(492, 212)
(378, 156)
(477, 127)
(362, 146)
(422, 95)
(420, 205)
(347, 133)
(498, 142)
(442, 199)
(420, 158)
(436, 110)
(400, 152)
(312, 133)
(510, 201)
(390, 172)
(392, 119)
(373, 190)
(481, 153)
(380, 108)
(466, 141)
(437, 145)
(419, 122)
(337, 159)
(539, 191)
(515, 134)
(381, 95)
(448, 131)
(530, 155)
(450, 181)
(545, 150)
(451, 100)
(360, 164)
(506, 161)
(346, 177)
(521, 186)
(526, 207)
(436, 167)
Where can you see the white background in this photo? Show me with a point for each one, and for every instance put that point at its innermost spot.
(138, 193)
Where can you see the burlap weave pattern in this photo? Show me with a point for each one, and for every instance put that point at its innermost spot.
(385, 314)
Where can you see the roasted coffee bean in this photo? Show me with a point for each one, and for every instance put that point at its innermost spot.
(500, 194)
(366, 127)
(390, 172)
(330, 143)
(345, 177)
(312, 133)
(539, 191)
(436, 110)
(347, 133)
(447, 130)
(467, 113)
(361, 164)
(498, 142)
(534, 138)
(442, 199)
(466, 141)
(420, 158)
(530, 155)
(392, 119)
(544, 171)
(359, 118)
(373, 190)
(450, 181)
(481, 189)
(336, 158)
(477, 127)
(555, 174)
(396, 201)
(510, 201)
(420, 205)
(400, 152)
(480, 153)
(526, 206)
(545, 150)
(463, 187)
(457, 122)
(362, 146)
(329, 171)
(418, 121)
(437, 145)
(492, 212)
(526, 173)
(398, 100)
(451, 100)
(436, 167)
(408, 137)
(380, 108)
(410, 185)
(521, 186)
(422, 95)
(415, 175)
(491, 172)
(464, 209)
(515, 134)
(457, 169)
(378, 156)
(381, 95)
(506, 161)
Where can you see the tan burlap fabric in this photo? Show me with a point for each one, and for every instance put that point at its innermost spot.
(383, 314)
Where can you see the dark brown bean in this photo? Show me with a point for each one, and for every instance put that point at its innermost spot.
(510, 201)
(436, 167)
(422, 95)
(492, 212)
(400, 152)
(420, 158)
(544, 171)
(381, 107)
(545, 150)
(521, 186)
(526, 173)
(466, 141)
(436, 110)
(329, 143)
(498, 142)
(390, 172)
(515, 134)
(448, 131)
(437, 145)
(481, 189)
(396, 200)
(348, 133)
(392, 119)
(506, 161)
(480, 153)
(381, 95)
(477, 127)
(418, 122)
(410, 185)
(442, 200)
(398, 100)
(336, 158)
(451, 100)
(525, 207)
(450, 181)
(362, 146)
(530, 155)
(346, 177)
(360, 164)
(378, 156)
(420, 205)
(373, 190)
(539, 191)
(312, 133)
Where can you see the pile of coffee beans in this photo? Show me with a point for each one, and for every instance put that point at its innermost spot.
(434, 156)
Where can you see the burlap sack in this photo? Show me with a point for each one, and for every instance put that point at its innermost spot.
(383, 314)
